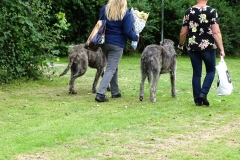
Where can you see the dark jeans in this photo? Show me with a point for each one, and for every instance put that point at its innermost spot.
(209, 59)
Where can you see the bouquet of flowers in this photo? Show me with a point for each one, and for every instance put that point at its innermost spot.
(139, 22)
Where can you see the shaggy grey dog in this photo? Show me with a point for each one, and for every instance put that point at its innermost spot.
(79, 59)
(156, 60)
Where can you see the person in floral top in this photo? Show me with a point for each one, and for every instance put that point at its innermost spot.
(201, 27)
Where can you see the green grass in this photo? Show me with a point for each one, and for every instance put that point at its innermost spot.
(40, 120)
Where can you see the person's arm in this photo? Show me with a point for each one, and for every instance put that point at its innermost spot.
(102, 12)
(127, 27)
(218, 38)
(183, 34)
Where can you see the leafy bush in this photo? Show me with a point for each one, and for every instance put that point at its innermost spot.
(229, 23)
(26, 38)
(82, 15)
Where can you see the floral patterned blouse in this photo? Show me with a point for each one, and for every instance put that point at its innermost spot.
(199, 21)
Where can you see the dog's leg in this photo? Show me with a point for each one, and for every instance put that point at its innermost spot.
(98, 74)
(173, 80)
(72, 79)
(77, 70)
(71, 86)
(155, 78)
(141, 92)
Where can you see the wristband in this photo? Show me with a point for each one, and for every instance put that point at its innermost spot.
(180, 45)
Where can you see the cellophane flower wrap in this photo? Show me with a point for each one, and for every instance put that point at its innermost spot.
(139, 22)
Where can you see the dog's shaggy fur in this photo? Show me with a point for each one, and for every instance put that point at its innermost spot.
(156, 60)
(79, 59)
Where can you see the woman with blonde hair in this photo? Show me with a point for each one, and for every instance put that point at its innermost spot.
(118, 30)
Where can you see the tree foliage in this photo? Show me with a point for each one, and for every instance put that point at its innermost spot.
(31, 32)
(27, 39)
(84, 14)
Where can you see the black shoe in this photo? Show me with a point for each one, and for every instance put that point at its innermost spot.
(117, 95)
(198, 103)
(203, 97)
(101, 98)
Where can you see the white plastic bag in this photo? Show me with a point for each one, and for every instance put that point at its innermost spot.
(224, 84)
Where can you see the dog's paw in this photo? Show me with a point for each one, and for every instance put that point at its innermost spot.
(153, 100)
(94, 90)
(72, 92)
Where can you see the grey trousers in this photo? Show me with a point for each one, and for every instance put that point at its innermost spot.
(114, 55)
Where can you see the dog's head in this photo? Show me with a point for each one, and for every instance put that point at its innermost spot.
(167, 42)
(168, 47)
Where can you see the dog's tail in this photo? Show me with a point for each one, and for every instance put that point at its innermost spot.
(71, 60)
(146, 67)
(149, 77)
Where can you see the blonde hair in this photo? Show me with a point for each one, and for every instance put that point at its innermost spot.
(116, 9)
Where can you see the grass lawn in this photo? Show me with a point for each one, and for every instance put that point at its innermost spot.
(39, 120)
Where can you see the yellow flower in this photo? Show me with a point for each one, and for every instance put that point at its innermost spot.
(194, 29)
(192, 40)
(203, 16)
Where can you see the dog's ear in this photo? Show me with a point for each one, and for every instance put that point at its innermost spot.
(162, 43)
(165, 49)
